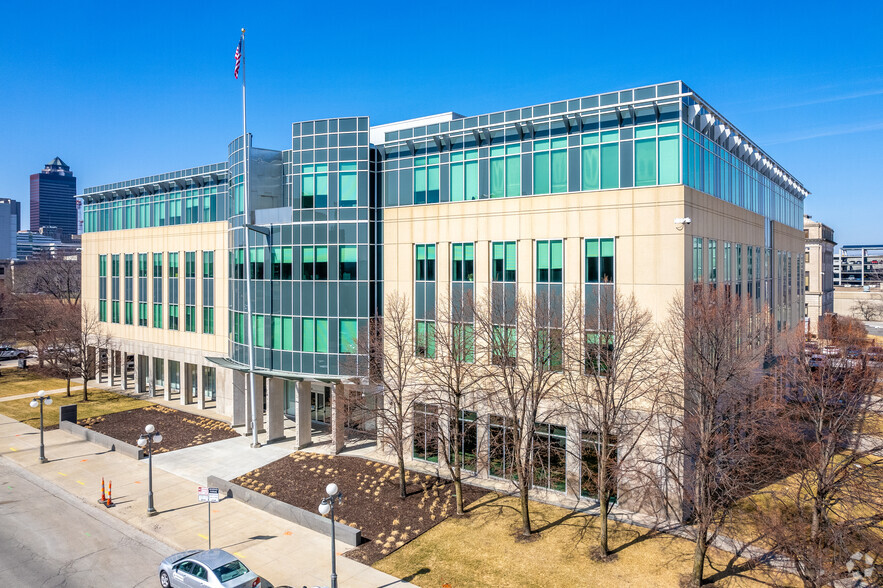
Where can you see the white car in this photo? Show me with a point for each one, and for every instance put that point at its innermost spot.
(12, 353)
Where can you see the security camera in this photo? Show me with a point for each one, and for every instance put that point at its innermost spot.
(683, 221)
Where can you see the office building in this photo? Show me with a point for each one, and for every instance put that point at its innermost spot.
(818, 277)
(52, 199)
(10, 224)
(648, 190)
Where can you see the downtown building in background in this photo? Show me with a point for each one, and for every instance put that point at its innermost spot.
(52, 200)
(647, 190)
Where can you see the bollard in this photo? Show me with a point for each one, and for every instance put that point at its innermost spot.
(103, 498)
(109, 502)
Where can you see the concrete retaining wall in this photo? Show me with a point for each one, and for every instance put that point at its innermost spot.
(299, 516)
(132, 451)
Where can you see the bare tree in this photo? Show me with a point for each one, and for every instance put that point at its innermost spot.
(35, 318)
(520, 337)
(390, 347)
(53, 276)
(453, 380)
(868, 309)
(714, 347)
(62, 351)
(610, 384)
(832, 507)
(91, 338)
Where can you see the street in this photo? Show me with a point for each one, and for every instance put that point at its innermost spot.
(50, 538)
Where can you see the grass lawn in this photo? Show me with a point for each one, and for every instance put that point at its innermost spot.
(100, 402)
(15, 381)
(481, 550)
(873, 425)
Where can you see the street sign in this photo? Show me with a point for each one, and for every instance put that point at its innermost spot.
(205, 494)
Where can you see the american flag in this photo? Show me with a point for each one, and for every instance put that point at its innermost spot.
(238, 57)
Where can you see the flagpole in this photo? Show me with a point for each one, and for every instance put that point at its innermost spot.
(252, 389)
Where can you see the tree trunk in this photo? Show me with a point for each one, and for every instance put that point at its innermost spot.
(458, 491)
(68, 385)
(85, 391)
(603, 549)
(699, 558)
(525, 508)
(402, 481)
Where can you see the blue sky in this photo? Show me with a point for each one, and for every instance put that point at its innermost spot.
(121, 90)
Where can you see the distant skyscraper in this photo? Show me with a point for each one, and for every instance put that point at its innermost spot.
(10, 224)
(52, 198)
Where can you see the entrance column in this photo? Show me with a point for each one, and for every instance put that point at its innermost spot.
(302, 407)
(124, 370)
(110, 354)
(275, 409)
(338, 417)
(200, 386)
(186, 384)
(239, 399)
(259, 386)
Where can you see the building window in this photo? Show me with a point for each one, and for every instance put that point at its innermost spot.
(591, 168)
(348, 184)
(599, 261)
(314, 335)
(426, 180)
(712, 261)
(173, 317)
(142, 314)
(591, 450)
(157, 315)
(256, 259)
(282, 333)
(426, 435)
(645, 156)
(102, 288)
(208, 320)
(349, 336)
(697, 260)
(466, 430)
(609, 160)
(501, 448)
(549, 262)
(503, 261)
(115, 288)
(314, 186)
(425, 267)
(550, 453)
(463, 262)
(349, 255)
(208, 383)
(314, 263)
(424, 339)
(281, 262)
(464, 175)
(505, 171)
(550, 166)
(190, 319)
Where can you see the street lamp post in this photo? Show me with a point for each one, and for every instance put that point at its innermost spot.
(148, 438)
(40, 400)
(326, 506)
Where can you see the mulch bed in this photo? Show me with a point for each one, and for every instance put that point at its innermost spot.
(179, 429)
(371, 499)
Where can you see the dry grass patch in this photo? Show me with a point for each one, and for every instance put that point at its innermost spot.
(101, 402)
(15, 381)
(481, 550)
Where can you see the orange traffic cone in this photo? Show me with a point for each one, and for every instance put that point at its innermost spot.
(109, 502)
(103, 499)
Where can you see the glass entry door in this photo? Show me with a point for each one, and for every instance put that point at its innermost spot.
(320, 410)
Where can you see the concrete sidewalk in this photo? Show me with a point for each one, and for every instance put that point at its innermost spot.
(280, 551)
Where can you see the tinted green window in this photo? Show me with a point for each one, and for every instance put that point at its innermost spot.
(599, 260)
(348, 335)
(458, 188)
(349, 184)
(497, 179)
(463, 262)
(609, 166)
(541, 172)
(308, 334)
(208, 320)
(645, 162)
(559, 171)
(348, 258)
(591, 169)
(504, 262)
(549, 261)
(668, 160)
(322, 335)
